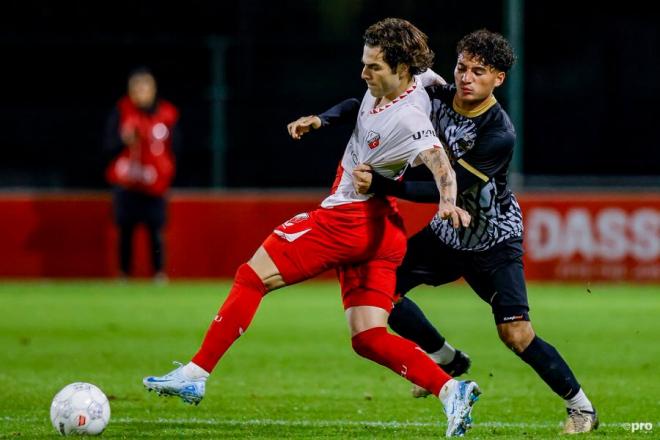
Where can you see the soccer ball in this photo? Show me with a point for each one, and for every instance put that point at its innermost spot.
(80, 408)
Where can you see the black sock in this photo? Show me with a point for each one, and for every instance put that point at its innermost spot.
(408, 320)
(552, 368)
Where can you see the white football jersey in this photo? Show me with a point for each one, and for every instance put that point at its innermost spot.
(389, 138)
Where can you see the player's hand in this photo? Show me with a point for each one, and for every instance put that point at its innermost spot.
(362, 175)
(303, 125)
(457, 216)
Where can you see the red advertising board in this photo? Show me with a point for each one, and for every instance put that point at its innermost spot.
(585, 237)
(599, 237)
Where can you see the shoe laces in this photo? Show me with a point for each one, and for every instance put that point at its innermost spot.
(579, 418)
(175, 373)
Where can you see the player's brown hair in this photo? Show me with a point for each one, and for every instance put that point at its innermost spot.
(401, 43)
(491, 48)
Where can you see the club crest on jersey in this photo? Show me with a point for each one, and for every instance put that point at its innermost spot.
(373, 139)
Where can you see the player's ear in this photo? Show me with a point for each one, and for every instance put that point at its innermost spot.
(402, 70)
(499, 78)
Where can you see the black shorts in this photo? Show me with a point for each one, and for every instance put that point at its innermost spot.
(496, 274)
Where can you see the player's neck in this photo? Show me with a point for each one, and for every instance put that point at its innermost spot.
(405, 85)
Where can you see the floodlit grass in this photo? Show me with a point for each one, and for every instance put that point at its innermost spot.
(294, 374)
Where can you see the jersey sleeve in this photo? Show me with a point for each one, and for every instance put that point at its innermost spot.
(345, 111)
(418, 134)
(414, 191)
(490, 154)
(429, 78)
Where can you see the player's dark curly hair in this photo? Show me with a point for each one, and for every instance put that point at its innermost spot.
(401, 42)
(491, 48)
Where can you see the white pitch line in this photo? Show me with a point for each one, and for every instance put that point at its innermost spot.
(317, 423)
(329, 423)
(335, 423)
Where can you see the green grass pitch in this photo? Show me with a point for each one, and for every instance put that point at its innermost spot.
(294, 375)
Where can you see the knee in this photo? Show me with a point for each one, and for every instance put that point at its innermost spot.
(264, 267)
(364, 342)
(516, 335)
(358, 344)
(246, 276)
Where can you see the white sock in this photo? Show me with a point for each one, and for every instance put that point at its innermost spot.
(194, 371)
(447, 390)
(579, 401)
(443, 356)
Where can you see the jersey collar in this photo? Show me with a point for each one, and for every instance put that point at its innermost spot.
(399, 98)
(477, 111)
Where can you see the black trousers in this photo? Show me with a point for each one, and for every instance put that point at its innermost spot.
(131, 209)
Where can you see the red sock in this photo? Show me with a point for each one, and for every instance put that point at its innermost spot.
(401, 356)
(233, 318)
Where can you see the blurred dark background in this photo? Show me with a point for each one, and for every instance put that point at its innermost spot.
(240, 71)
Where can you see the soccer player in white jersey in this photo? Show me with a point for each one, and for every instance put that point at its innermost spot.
(359, 235)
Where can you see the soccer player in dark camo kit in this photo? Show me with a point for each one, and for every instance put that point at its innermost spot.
(479, 140)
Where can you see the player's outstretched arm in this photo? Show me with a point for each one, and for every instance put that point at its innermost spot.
(345, 111)
(445, 178)
(366, 181)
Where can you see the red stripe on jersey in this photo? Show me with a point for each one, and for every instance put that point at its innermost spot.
(335, 184)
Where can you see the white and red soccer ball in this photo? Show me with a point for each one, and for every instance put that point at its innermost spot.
(81, 409)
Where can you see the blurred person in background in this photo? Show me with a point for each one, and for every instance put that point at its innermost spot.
(141, 138)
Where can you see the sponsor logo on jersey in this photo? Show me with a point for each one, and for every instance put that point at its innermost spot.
(423, 133)
(513, 318)
(373, 139)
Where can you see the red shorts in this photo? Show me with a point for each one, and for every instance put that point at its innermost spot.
(365, 242)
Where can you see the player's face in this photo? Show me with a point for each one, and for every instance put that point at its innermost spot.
(474, 80)
(142, 90)
(380, 78)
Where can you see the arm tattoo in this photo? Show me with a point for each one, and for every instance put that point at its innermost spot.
(437, 161)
